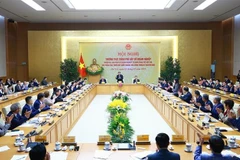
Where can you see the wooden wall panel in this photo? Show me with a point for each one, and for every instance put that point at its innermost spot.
(216, 27)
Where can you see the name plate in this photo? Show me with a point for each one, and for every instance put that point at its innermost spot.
(143, 138)
(177, 138)
(104, 138)
(200, 124)
(40, 138)
(183, 111)
(190, 117)
(69, 139)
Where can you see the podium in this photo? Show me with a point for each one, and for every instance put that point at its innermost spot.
(94, 78)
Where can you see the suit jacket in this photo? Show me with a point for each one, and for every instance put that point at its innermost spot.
(213, 156)
(194, 81)
(136, 81)
(119, 78)
(186, 97)
(207, 103)
(35, 84)
(214, 110)
(18, 88)
(102, 80)
(37, 104)
(27, 108)
(44, 82)
(164, 154)
(58, 99)
(17, 120)
(217, 86)
(199, 100)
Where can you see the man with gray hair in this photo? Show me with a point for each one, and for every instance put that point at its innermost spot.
(217, 104)
(17, 119)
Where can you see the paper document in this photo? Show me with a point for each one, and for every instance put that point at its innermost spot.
(141, 155)
(4, 148)
(13, 133)
(102, 154)
(59, 155)
(19, 157)
(27, 125)
(226, 128)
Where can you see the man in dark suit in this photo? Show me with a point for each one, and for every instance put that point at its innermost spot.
(136, 80)
(38, 104)
(44, 81)
(35, 82)
(162, 141)
(207, 103)
(17, 119)
(119, 77)
(198, 102)
(18, 87)
(102, 80)
(194, 80)
(227, 80)
(216, 144)
(59, 96)
(186, 96)
(217, 85)
(28, 107)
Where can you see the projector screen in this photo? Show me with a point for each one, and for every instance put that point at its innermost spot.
(2, 48)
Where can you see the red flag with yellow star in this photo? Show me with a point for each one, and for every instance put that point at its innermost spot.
(81, 68)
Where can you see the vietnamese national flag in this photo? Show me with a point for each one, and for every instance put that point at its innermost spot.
(81, 67)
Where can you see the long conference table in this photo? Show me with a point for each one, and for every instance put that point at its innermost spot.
(62, 125)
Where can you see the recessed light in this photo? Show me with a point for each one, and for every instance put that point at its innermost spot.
(85, 16)
(153, 15)
(195, 1)
(25, 16)
(44, 1)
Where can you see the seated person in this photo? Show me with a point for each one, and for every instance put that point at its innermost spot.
(186, 96)
(217, 104)
(18, 87)
(207, 103)
(47, 100)
(176, 87)
(217, 85)
(198, 102)
(136, 80)
(194, 80)
(216, 144)
(119, 77)
(224, 87)
(30, 85)
(44, 81)
(10, 89)
(223, 115)
(35, 82)
(8, 82)
(237, 89)
(204, 82)
(200, 81)
(4, 126)
(102, 80)
(28, 107)
(17, 119)
(231, 88)
(164, 84)
(2, 90)
(39, 152)
(227, 80)
(39, 103)
(169, 88)
(234, 119)
(210, 83)
(162, 142)
(13, 81)
(58, 95)
(25, 85)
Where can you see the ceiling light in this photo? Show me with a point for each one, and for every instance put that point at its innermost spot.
(34, 5)
(119, 5)
(69, 4)
(170, 3)
(205, 4)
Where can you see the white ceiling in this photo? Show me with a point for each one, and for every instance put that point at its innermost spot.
(58, 11)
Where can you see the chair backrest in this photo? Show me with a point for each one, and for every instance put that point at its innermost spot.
(235, 107)
(22, 103)
(34, 98)
(132, 80)
(6, 110)
(14, 85)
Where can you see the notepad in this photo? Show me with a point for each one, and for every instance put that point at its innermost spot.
(19, 157)
(13, 133)
(4, 148)
(27, 125)
(226, 128)
(59, 155)
(231, 136)
(102, 154)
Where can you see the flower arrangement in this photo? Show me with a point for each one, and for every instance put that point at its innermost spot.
(120, 84)
(92, 71)
(119, 126)
(121, 95)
